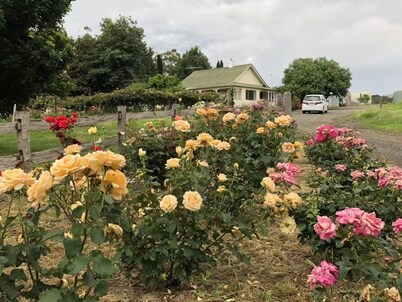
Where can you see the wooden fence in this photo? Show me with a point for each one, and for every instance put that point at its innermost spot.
(22, 127)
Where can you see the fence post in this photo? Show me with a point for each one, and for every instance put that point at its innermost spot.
(24, 143)
(121, 123)
(287, 102)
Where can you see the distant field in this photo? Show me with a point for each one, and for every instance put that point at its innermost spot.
(45, 139)
(389, 118)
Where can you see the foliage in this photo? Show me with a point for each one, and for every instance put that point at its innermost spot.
(170, 59)
(34, 51)
(219, 64)
(364, 98)
(79, 190)
(165, 83)
(159, 64)
(112, 60)
(319, 76)
(192, 60)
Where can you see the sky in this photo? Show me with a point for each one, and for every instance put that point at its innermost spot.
(362, 35)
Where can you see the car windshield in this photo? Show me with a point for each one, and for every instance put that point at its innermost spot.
(311, 98)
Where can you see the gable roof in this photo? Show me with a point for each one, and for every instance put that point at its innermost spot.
(218, 77)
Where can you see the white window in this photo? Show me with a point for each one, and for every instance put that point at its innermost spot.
(237, 94)
(250, 95)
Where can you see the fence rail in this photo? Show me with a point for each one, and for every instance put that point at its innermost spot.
(26, 158)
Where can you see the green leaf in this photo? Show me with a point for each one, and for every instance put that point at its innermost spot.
(171, 226)
(101, 289)
(55, 234)
(72, 247)
(97, 235)
(77, 264)
(109, 200)
(76, 229)
(95, 211)
(103, 267)
(9, 288)
(18, 274)
(51, 295)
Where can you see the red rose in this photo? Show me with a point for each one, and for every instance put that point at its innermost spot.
(96, 148)
(64, 124)
(74, 115)
(50, 119)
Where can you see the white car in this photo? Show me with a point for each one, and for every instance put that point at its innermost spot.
(314, 102)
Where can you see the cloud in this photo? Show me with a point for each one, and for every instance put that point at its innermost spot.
(363, 35)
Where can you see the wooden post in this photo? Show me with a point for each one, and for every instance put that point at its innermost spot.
(24, 143)
(174, 111)
(121, 123)
(287, 102)
(380, 102)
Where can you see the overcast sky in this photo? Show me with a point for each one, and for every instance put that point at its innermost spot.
(362, 35)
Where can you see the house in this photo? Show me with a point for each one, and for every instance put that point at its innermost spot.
(397, 96)
(356, 95)
(246, 83)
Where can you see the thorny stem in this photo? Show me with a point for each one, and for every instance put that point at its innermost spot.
(8, 214)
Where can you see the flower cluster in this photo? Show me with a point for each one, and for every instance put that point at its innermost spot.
(207, 112)
(259, 105)
(286, 172)
(326, 274)
(61, 122)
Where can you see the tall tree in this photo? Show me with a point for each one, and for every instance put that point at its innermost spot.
(34, 50)
(170, 60)
(118, 57)
(159, 64)
(320, 76)
(221, 64)
(192, 60)
(218, 64)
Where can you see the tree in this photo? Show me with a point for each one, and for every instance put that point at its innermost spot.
(159, 64)
(114, 59)
(192, 60)
(165, 83)
(34, 50)
(170, 59)
(319, 76)
(221, 64)
(364, 98)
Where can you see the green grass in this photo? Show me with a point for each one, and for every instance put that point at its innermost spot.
(389, 118)
(45, 139)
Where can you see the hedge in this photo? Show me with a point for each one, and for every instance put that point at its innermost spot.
(137, 99)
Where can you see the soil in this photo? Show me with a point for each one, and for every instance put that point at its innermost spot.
(387, 145)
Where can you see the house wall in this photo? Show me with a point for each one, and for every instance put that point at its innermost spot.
(249, 77)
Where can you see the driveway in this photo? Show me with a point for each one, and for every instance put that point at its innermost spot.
(387, 145)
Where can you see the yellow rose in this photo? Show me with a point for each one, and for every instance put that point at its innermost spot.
(288, 147)
(288, 225)
(114, 183)
(191, 144)
(283, 120)
(270, 125)
(168, 203)
(201, 111)
(182, 125)
(99, 159)
(212, 113)
(114, 229)
(242, 118)
(15, 179)
(222, 177)
(71, 149)
(179, 150)
(205, 139)
(298, 145)
(269, 184)
(260, 130)
(223, 146)
(192, 200)
(92, 130)
(37, 192)
(172, 163)
(230, 116)
(68, 165)
(141, 152)
(392, 294)
(292, 199)
(236, 166)
(298, 155)
(270, 200)
(221, 189)
(202, 163)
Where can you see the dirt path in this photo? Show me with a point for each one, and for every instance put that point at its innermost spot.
(387, 145)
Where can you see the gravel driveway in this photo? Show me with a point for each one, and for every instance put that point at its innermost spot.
(387, 145)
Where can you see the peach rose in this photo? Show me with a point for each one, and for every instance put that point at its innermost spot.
(230, 116)
(223, 146)
(283, 120)
(179, 150)
(222, 177)
(168, 203)
(292, 199)
(202, 163)
(192, 200)
(212, 113)
(114, 183)
(270, 125)
(242, 118)
(191, 144)
(298, 145)
(114, 229)
(68, 165)
(182, 125)
(288, 147)
(205, 139)
(172, 163)
(15, 179)
(221, 189)
(269, 184)
(99, 159)
(201, 111)
(38, 191)
(260, 130)
(72, 149)
(270, 200)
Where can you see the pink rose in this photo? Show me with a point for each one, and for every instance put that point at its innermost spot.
(325, 275)
(333, 133)
(292, 168)
(341, 168)
(383, 182)
(348, 215)
(356, 174)
(276, 176)
(397, 225)
(289, 178)
(368, 224)
(325, 228)
(310, 142)
(319, 138)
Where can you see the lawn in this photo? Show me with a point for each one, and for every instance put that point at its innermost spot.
(45, 139)
(389, 118)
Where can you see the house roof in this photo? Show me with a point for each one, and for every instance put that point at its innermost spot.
(218, 77)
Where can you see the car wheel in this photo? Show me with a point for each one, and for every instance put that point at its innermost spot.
(322, 112)
(304, 112)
